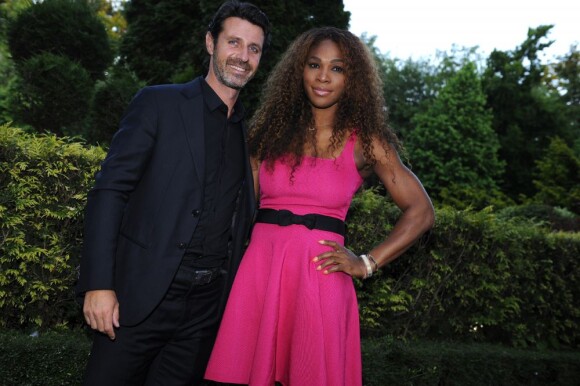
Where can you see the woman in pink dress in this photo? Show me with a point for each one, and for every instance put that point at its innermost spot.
(292, 315)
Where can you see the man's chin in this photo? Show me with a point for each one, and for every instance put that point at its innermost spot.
(237, 84)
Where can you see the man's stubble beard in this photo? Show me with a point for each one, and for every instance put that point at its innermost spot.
(228, 79)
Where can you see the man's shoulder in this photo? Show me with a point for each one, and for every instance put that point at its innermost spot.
(188, 89)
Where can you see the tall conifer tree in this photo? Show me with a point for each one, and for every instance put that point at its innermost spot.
(453, 143)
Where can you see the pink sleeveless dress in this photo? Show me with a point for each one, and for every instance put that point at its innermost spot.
(284, 320)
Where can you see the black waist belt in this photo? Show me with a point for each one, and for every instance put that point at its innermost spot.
(310, 221)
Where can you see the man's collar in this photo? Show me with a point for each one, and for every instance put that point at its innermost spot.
(214, 102)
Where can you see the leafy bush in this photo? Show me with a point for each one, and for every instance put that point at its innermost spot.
(369, 219)
(53, 93)
(554, 218)
(464, 196)
(54, 358)
(473, 278)
(43, 185)
(391, 362)
(558, 177)
(155, 49)
(64, 28)
(111, 98)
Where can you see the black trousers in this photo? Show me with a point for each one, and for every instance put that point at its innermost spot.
(172, 346)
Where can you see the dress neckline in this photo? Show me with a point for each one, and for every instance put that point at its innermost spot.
(350, 139)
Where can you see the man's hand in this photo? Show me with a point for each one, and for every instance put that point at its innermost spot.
(101, 310)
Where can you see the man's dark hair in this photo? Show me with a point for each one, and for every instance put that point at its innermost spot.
(243, 10)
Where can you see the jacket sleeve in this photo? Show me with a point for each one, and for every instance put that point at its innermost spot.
(120, 173)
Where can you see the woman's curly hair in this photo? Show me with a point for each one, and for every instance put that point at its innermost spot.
(280, 125)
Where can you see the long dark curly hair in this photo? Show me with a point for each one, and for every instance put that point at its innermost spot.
(279, 128)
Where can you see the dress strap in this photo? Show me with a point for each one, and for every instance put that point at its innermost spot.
(349, 145)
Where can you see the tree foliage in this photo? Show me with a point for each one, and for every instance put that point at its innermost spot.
(112, 96)
(165, 41)
(7, 79)
(453, 142)
(43, 185)
(8, 10)
(60, 47)
(527, 112)
(558, 177)
(407, 89)
(567, 82)
(111, 15)
(160, 37)
(52, 93)
(61, 27)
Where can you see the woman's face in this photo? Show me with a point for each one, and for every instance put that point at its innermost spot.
(324, 75)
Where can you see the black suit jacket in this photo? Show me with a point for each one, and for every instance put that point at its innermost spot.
(144, 206)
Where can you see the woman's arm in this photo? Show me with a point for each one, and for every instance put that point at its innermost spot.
(408, 194)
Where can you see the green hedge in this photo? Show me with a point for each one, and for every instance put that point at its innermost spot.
(473, 278)
(43, 186)
(476, 276)
(49, 359)
(59, 358)
(391, 362)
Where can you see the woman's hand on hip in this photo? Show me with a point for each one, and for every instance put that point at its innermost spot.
(339, 259)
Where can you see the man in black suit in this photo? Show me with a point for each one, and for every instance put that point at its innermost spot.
(167, 218)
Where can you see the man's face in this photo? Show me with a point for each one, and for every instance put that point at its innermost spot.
(236, 53)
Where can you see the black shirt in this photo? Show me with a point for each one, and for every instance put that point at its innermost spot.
(224, 172)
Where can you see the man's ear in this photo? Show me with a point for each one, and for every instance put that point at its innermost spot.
(209, 43)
